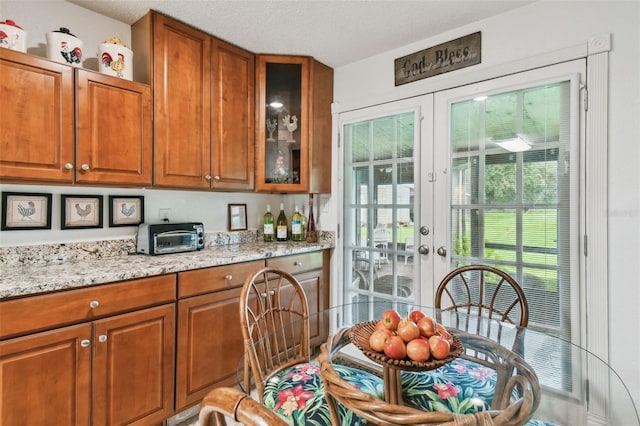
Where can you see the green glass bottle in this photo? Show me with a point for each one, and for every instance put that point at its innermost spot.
(296, 225)
(268, 226)
(303, 223)
(282, 225)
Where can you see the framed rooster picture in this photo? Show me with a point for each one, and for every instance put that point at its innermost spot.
(126, 210)
(22, 211)
(80, 211)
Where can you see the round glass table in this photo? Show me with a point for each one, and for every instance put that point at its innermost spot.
(571, 385)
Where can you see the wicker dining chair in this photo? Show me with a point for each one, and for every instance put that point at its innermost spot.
(224, 402)
(275, 327)
(469, 294)
(483, 290)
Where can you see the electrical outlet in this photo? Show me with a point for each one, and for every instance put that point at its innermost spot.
(163, 214)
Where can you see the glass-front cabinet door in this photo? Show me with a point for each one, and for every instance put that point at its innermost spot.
(283, 123)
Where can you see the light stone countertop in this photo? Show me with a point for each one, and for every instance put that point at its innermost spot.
(31, 279)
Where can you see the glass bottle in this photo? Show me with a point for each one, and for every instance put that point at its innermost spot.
(269, 230)
(303, 223)
(296, 225)
(282, 225)
(312, 234)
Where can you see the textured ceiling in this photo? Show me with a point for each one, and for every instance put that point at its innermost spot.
(335, 32)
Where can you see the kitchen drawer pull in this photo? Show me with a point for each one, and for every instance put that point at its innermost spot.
(85, 342)
(298, 264)
(229, 277)
(94, 304)
(102, 338)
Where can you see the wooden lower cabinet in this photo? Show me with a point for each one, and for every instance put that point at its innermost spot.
(45, 378)
(210, 341)
(312, 271)
(209, 345)
(133, 367)
(114, 371)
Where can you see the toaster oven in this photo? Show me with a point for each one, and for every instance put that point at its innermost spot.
(164, 238)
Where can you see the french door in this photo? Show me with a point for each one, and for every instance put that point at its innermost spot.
(484, 173)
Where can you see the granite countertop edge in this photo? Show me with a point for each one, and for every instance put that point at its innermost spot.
(25, 280)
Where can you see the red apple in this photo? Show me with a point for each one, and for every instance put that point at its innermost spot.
(378, 338)
(427, 326)
(379, 326)
(416, 315)
(439, 347)
(408, 330)
(395, 348)
(419, 350)
(390, 319)
(444, 333)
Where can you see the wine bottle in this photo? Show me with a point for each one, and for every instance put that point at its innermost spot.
(312, 235)
(303, 223)
(281, 225)
(269, 230)
(296, 225)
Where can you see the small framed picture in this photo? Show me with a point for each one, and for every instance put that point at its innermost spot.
(21, 211)
(126, 210)
(80, 211)
(237, 217)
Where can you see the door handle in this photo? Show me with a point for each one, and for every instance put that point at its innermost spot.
(442, 251)
(423, 249)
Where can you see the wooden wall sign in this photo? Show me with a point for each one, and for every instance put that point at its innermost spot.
(452, 55)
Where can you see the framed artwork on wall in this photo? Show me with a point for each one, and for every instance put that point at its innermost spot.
(237, 217)
(22, 211)
(80, 211)
(126, 210)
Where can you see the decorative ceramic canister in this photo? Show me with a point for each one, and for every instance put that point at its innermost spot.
(64, 47)
(12, 36)
(115, 59)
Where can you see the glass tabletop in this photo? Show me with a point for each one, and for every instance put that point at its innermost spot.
(576, 386)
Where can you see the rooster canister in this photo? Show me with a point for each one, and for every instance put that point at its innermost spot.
(115, 59)
(12, 36)
(64, 47)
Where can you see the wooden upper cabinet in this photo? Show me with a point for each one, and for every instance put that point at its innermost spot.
(293, 124)
(180, 71)
(114, 134)
(203, 105)
(37, 127)
(233, 117)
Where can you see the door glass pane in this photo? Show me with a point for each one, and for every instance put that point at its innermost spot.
(510, 197)
(378, 210)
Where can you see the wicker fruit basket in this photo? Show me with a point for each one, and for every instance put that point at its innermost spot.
(360, 333)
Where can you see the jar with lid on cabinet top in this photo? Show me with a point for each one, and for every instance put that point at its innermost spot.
(12, 36)
(64, 47)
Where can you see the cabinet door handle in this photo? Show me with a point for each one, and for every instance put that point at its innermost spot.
(271, 293)
(94, 304)
(85, 342)
(229, 277)
(216, 178)
(298, 264)
(68, 166)
(102, 338)
(85, 167)
(208, 177)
